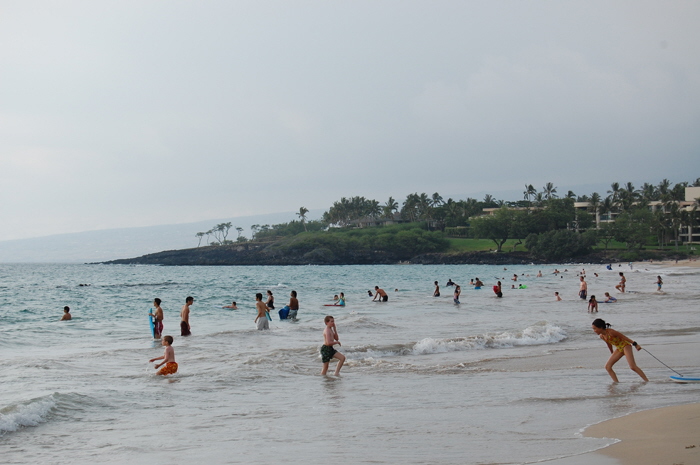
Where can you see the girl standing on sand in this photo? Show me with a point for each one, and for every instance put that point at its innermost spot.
(622, 343)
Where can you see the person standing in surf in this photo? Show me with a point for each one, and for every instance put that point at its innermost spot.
(261, 319)
(185, 328)
(293, 305)
(379, 293)
(623, 281)
(583, 288)
(330, 338)
(436, 293)
(458, 292)
(659, 283)
(66, 314)
(622, 343)
(168, 358)
(158, 319)
(270, 303)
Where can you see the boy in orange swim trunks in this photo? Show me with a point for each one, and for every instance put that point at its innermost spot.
(168, 358)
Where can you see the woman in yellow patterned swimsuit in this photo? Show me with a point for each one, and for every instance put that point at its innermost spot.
(624, 347)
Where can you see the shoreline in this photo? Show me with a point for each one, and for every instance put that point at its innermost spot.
(663, 436)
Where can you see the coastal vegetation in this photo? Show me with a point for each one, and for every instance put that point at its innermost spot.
(627, 223)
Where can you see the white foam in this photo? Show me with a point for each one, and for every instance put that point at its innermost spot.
(34, 412)
(538, 334)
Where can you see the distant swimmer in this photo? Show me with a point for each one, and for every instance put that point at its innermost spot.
(623, 281)
(622, 343)
(583, 288)
(557, 296)
(609, 299)
(514, 278)
(379, 293)
(66, 314)
(449, 283)
(330, 338)
(270, 303)
(369, 293)
(539, 274)
(498, 290)
(436, 293)
(261, 320)
(232, 306)
(458, 292)
(659, 283)
(341, 300)
(185, 328)
(592, 305)
(158, 319)
(478, 284)
(168, 358)
(293, 305)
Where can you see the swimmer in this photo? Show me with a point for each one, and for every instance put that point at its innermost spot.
(458, 291)
(158, 317)
(449, 283)
(436, 292)
(330, 338)
(478, 283)
(514, 278)
(659, 283)
(557, 296)
(185, 328)
(592, 305)
(539, 274)
(341, 300)
(293, 305)
(232, 306)
(270, 303)
(261, 318)
(623, 281)
(622, 343)
(609, 299)
(379, 293)
(66, 314)
(168, 358)
(583, 288)
(369, 293)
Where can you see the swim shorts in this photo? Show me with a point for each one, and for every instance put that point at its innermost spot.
(184, 329)
(169, 369)
(582, 293)
(327, 353)
(159, 327)
(292, 314)
(263, 323)
(385, 298)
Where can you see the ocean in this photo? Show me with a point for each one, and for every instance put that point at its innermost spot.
(489, 381)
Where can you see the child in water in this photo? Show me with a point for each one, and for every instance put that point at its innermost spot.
(168, 358)
(622, 343)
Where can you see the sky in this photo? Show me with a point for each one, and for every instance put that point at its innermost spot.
(117, 114)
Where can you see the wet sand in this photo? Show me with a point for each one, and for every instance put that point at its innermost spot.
(664, 436)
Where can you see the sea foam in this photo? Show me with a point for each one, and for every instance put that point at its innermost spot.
(32, 413)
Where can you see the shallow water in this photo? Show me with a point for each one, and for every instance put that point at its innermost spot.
(509, 380)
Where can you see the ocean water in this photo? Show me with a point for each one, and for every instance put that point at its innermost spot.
(488, 381)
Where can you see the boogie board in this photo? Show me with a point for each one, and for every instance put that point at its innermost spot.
(150, 322)
(685, 379)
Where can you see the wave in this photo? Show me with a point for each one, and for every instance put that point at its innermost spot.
(31, 413)
(538, 334)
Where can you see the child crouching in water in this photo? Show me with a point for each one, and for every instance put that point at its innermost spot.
(168, 358)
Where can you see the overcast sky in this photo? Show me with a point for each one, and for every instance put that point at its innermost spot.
(136, 113)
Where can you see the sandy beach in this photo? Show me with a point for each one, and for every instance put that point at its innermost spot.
(664, 436)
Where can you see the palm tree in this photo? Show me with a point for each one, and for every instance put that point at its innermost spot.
(549, 191)
(391, 207)
(614, 192)
(436, 200)
(302, 216)
(595, 203)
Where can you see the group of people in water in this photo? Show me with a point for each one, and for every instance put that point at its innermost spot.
(618, 344)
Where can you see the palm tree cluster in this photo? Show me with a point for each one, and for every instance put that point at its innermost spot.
(344, 211)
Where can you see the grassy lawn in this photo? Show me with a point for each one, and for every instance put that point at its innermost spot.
(479, 245)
